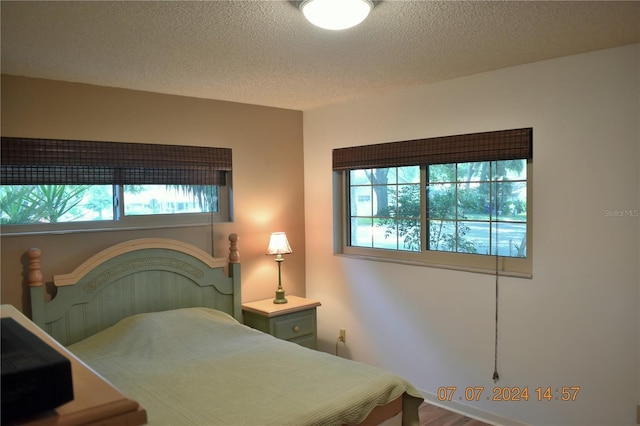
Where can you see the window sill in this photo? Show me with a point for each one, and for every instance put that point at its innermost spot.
(5, 233)
(436, 265)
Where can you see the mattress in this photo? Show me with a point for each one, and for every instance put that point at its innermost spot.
(200, 366)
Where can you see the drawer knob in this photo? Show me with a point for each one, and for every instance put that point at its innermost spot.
(296, 328)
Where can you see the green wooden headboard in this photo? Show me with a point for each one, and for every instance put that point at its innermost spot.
(134, 277)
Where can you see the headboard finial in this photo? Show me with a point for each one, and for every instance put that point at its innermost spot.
(234, 255)
(34, 277)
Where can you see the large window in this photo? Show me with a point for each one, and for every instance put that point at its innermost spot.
(464, 214)
(66, 185)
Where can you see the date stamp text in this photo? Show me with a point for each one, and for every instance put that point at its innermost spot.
(508, 393)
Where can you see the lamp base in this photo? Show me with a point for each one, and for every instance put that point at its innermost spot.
(280, 297)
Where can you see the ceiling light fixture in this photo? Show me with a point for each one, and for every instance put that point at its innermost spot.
(336, 14)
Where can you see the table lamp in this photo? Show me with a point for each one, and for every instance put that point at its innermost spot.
(279, 245)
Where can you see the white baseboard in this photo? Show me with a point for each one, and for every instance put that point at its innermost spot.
(473, 412)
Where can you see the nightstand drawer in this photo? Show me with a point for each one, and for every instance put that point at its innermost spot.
(309, 341)
(294, 321)
(295, 325)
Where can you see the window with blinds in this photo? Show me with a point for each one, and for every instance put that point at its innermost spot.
(459, 201)
(49, 184)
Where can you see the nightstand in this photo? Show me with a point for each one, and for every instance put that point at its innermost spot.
(294, 321)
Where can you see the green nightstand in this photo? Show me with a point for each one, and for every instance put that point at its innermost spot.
(294, 321)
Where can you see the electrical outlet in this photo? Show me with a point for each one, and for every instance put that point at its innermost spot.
(343, 335)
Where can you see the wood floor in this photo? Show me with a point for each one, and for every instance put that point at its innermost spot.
(431, 415)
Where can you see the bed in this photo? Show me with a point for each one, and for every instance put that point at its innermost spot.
(162, 321)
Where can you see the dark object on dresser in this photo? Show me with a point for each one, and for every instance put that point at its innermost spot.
(35, 377)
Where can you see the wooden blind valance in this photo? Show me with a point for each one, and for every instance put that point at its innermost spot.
(488, 146)
(48, 161)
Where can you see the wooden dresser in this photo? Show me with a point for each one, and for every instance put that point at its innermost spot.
(96, 400)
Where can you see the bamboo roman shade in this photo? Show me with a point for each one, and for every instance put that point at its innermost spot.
(49, 161)
(488, 146)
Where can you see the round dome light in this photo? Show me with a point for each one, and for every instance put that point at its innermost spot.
(336, 14)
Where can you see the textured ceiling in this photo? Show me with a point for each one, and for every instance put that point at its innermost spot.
(265, 53)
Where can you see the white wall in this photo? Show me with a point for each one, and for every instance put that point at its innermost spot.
(576, 322)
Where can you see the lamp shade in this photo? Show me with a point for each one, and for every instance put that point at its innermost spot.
(336, 14)
(278, 244)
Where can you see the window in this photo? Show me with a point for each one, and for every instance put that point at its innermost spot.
(478, 208)
(384, 208)
(50, 185)
(442, 210)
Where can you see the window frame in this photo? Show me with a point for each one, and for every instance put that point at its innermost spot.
(130, 222)
(477, 263)
(73, 162)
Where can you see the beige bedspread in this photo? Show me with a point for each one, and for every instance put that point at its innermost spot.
(200, 366)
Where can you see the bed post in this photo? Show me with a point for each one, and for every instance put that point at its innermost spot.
(36, 286)
(234, 255)
(234, 273)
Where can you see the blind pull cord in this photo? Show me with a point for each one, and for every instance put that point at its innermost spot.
(496, 376)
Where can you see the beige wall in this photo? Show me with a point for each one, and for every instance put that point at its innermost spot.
(267, 173)
(576, 322)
